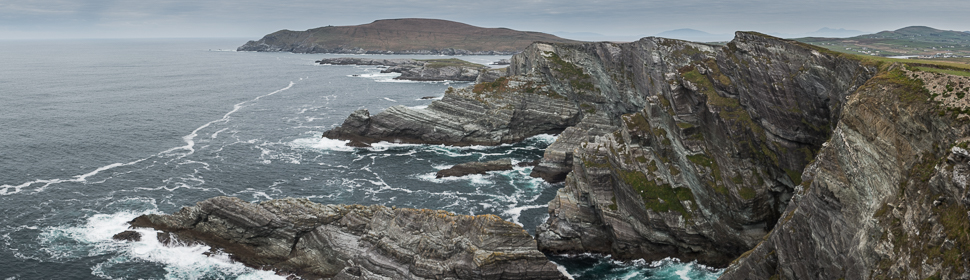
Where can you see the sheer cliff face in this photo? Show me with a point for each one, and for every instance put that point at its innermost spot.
(886, 197)
(827, 166)
(706, 167)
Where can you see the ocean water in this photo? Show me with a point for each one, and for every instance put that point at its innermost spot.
(97, 132)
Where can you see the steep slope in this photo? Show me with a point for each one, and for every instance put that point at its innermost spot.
(674, 148)
(706, 167)
(401, 36)
(886, 198)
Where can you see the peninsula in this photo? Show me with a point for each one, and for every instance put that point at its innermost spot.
(402, 36)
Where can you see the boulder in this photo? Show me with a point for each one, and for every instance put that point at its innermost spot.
(475, 168)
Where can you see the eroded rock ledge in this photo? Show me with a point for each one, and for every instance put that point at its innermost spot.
(424, 70)
(358, 242)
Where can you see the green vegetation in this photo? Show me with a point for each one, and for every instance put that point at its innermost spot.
(705, 161)
(915, 40)
(659, 198)
(747, 193)
(500, 85)
(441, 63)
(577, 78)
(795, 175)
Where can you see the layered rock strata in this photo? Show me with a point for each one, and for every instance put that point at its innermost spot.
(886, 198)
(828, 165)
(488, 114)
(296, 236)
(415, 70)
(673, 148)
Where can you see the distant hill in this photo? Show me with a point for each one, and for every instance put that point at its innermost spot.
(913, 40)
(402, 36)
(694, 35)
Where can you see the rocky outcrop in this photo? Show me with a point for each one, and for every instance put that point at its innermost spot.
(470, 168)
(672, 148)
(358, 242)
(886, 197)
(422, 70)
(487, 114)
(370, 61)
(705, 169)
(444, 73)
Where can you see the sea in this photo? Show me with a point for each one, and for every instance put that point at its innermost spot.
(97, 132)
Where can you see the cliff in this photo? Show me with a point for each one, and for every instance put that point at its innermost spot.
(672, 148)
(886, 198)
(401, 36)
(357, 242)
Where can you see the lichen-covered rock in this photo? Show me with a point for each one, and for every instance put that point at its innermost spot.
(358, 242)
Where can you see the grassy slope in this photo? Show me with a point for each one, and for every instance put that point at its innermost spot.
(417, 34)
(915, 40)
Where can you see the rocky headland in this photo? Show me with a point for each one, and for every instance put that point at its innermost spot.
(402, 36)
(313, 241)
(769, 156)
(452, 69)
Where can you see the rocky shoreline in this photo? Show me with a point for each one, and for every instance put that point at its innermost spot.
(701, 152)
(312, 241)
(770, 157)
(427, 70)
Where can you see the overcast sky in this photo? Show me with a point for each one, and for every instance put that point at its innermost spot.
(20, 19)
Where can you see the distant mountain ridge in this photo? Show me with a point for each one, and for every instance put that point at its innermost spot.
(912, 40)
(402, 36)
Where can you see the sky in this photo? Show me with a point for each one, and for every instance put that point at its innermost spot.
(621, 19)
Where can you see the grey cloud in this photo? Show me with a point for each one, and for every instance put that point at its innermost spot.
(251, 18)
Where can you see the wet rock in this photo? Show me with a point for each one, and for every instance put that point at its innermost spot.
(358, 242)
(475, 168)
(127, 235)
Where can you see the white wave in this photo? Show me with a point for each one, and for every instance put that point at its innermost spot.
(515, 212)
(190, 139)
(326, 144)
(180, 262)
(189, 147)
(547, 139)
(11, 189)
(216, 134)
(388, 99)
(384, 146)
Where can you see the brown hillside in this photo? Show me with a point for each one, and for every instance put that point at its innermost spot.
(402, 36)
